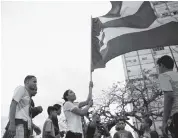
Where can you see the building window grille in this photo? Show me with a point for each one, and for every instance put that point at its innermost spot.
(158, 48)
(128, 61)
(174, 12)
(128, 70)
(145, 58)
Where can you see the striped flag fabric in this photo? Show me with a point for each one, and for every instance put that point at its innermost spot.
(130, 26)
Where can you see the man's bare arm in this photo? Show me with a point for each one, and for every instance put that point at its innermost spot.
(168, 101)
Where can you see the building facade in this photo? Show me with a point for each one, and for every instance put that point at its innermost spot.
(137, 61)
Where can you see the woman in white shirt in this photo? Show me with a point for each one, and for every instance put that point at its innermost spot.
(73, 112)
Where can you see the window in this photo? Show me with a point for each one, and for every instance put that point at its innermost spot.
(135, 71)
(131, 61)
(156, 2)
(165, 14)
(144, 51)
(145, 58)
(131, 54)
(128, 61)
(150, 67)
(174, 12)
(158, 48)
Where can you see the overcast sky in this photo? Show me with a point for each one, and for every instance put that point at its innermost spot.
(51, 40)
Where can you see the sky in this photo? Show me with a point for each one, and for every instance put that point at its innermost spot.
(51, 40)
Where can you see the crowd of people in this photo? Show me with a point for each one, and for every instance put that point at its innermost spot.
(23, 110)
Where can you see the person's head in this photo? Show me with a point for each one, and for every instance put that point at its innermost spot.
(96, 118)
(165, 63)
(58, 108)
(120, 125)
(30, 83)
(69, 95)
(52, 111)
(146, 123)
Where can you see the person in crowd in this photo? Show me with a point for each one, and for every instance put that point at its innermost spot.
(96, 129)
(168, 80)
(146, 128)
(34, 111)
(121, 132)
(55, 121)
(20, 118)
(48, 127)
(73, 112)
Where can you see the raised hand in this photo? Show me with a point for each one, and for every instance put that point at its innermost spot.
(90, 103)
(91, 84)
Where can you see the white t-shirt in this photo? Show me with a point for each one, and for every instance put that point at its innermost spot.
(169, 82)
(146, 135)
(74, 123)
(22, 110)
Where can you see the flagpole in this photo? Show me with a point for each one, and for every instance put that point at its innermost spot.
(91, 51)
(91, 63)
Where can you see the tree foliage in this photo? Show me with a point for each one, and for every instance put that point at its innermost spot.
(137, 98)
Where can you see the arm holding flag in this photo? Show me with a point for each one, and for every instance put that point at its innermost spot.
(81, 104)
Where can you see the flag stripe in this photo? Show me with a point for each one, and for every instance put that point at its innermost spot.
(111, 33)
(164, 35)
(143, 18)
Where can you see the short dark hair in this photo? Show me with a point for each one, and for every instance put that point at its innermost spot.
(149, 121)
(167, 61)
(50, 109)
(57, 106)
(123, 120)
(65, 95)
(28, 77)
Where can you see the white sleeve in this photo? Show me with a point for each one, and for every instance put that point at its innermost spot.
(18, 93)
(68, 106)
(165, 83)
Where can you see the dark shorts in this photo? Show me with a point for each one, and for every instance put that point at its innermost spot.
(73, 135)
